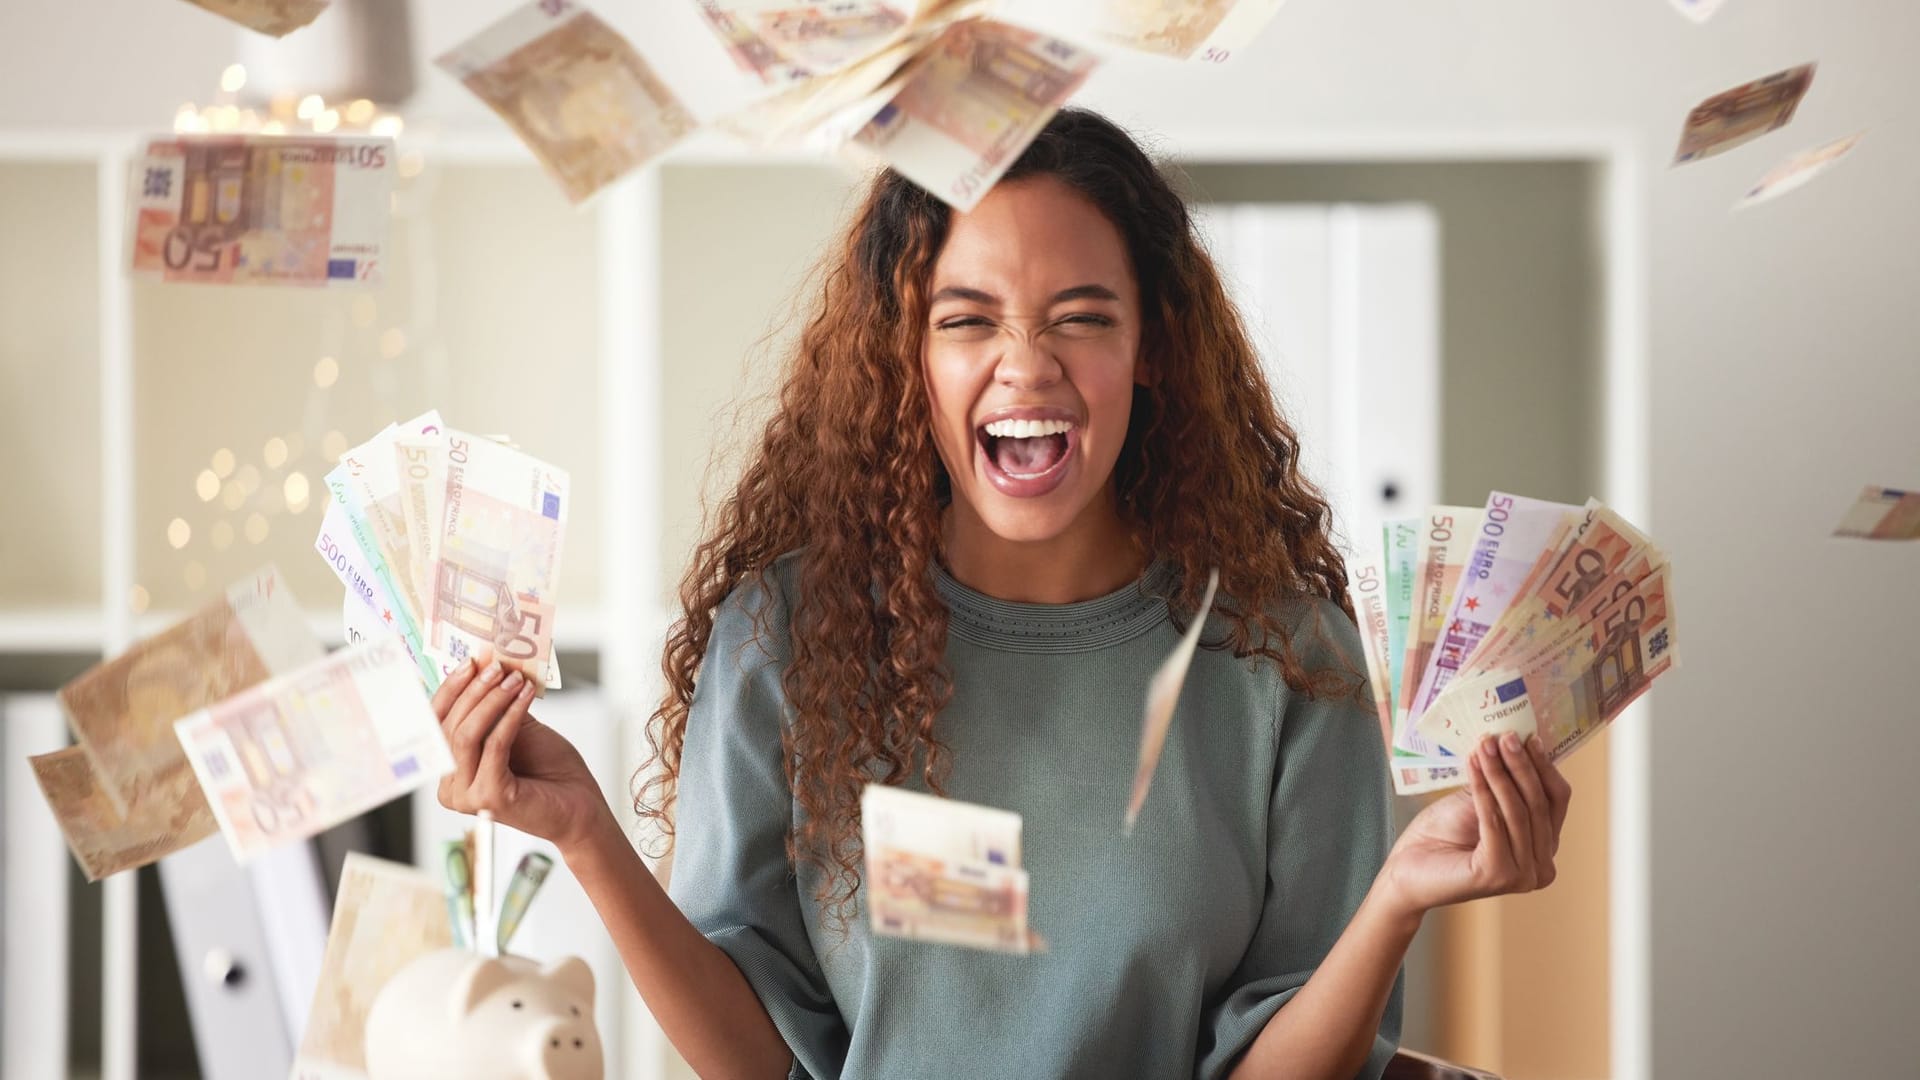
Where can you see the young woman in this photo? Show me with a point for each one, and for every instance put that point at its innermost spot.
(1009, 446)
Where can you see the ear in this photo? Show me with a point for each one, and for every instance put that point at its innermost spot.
(481, 977)
(572, 975)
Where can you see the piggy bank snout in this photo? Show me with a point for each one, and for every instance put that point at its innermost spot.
(567, 1048)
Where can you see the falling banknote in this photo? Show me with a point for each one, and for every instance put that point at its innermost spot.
(1743, 114)
(1163, 694)
(969, 104)
(277, 18)
(126, 795)
(1209, 30)
(261, 210)
(587, 105)
(1883, 514)
(1797, 171)
(385, 916)
(305, 751)
(944, 871)
(781, 41)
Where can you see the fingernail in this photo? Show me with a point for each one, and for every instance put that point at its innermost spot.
(492, 672)
(1533, 743)
(512, 683)
(1512, 742)
(1488, 747)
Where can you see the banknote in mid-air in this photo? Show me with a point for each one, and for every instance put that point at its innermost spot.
(385, 916)
(780, 41)
(277, 18)
(1795, 172)
(1209, 30)
(261, 210)
(970, 102)
(1882, 514)
(126, 796)
(1163, 694)
(941, 870)
(1698, 10)
(305, 751)
(575, 91)
(1738, 116)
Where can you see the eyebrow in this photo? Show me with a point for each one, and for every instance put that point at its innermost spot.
(977, 296)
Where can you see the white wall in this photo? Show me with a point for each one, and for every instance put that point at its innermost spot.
(1784, 872)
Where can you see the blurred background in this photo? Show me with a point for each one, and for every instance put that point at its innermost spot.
(1469, 267)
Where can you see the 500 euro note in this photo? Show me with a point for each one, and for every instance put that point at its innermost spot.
(574, 91)
(261, 210)
(126, 795)
(970, 103)
(303, 752)
(496, 563)
(943, 870)
(385, 916)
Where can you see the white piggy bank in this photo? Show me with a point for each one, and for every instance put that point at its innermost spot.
(454, 1013)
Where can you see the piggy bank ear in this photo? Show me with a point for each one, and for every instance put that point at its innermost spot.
(481, 977)
(574, 976)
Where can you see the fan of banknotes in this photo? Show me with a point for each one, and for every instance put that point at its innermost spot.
(1533, 617)
(448, 543)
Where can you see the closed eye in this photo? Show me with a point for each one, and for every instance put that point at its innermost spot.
(959, 322)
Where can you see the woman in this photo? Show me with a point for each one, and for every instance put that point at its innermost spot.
(1009, 446)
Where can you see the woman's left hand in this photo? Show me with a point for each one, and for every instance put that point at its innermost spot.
(1498, 836)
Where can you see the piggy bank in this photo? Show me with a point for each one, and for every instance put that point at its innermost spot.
(454, 1013)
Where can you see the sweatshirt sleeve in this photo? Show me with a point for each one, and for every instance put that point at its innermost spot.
(731, 876)
(1330, 825)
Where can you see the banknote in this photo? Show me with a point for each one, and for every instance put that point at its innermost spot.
(364, 485)
(1797, 171)
(1596, 544)
(1883, 514)
(277, 18)
(372, 479)
(971, 101)
(420, 463)
(1368, 588)
(780, 41)
(172, 816)
(1210, 30)
(261, 210)
(1401, 538)
(941, 870)
(368, 611)
(1163, 696)
(385, 916)
(122, 711)
(1514, 531)
(497, 555)
(575, 91)
(1568, 695)
(1446, 538)
(1698, 10)
(1738, 116)
(305, 751)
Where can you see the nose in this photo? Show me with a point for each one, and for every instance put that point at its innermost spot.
(1026, 364)
(570, 1050)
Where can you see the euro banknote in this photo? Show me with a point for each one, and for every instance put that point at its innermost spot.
(1163, 696)
(261, 210)
(275, 18)
(940, 870)
(1446, 537)
(1205, 30)
(577, 94)
(1798, 171)
(305, 751)
(1882, 514)
(1738, 116)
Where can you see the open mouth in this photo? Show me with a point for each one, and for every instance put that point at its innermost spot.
(1027, 457)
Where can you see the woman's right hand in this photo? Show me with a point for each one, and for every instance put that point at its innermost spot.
(505, 761)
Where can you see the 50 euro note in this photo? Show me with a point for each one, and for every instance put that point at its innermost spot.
(276, 18)
(969, 103)
(1882, 514)
(1412, 774)
(261, 210)
(496, 567)
(1566, 695)
(305, 751)
(575, 92)
(385, 916)
(126, 795)
(1445, 539)
(944, 871)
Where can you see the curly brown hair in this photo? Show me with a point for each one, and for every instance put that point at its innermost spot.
(847, 475)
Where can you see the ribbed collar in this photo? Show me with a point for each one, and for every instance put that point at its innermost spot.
(1084, 626)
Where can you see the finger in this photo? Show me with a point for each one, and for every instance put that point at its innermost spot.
(1513, 809)
(1559, 790)
(1493, 849)
(1526, 776)
(494, 781)
(450, 689)
(460, 722)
